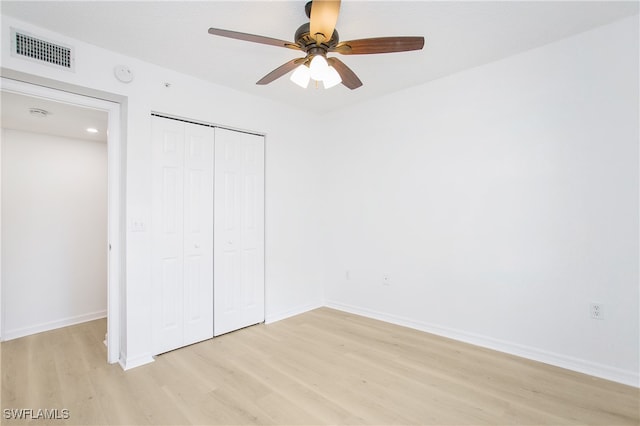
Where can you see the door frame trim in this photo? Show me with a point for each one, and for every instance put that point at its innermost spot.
(115, 200)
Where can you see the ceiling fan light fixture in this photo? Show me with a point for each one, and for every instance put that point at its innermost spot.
(318, 67)
(316, 39)
(331, 78)
(301, 76)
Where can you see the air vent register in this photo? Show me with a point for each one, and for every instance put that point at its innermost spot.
(35, 48)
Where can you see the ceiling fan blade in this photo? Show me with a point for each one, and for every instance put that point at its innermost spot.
(280, 71)
(253, 38)
(323, 19)
(379, 45)
(349, 78)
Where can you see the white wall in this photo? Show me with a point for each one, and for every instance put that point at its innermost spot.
(54, 231)
(501, 201)
(293, 279)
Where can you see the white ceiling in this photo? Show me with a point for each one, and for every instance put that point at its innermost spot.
(65, 120)
(459, 35)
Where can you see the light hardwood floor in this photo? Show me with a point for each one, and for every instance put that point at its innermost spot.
(321, 367)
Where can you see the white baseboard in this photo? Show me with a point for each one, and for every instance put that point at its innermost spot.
(291, 312)
(570, 363)
(52, 325)
(127, 363)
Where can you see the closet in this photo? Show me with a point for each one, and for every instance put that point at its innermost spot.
(207, 229)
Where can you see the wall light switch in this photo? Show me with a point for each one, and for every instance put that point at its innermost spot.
(137, 225)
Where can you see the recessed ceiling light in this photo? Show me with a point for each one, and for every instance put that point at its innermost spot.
(92, 130)
(38, 112)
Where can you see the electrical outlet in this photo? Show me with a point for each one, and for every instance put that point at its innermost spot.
(597, 311)
(347, 275)
(385, 279)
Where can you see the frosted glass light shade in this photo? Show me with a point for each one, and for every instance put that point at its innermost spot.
(318, 67)
(331, 78)
(301, 76)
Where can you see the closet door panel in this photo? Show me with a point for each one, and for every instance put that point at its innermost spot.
(239, 231)
(252, 229)
(182, 233)
(198, 233)
(227, 266)
(167, 234)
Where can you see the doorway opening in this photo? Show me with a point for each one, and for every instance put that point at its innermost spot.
(97, 228)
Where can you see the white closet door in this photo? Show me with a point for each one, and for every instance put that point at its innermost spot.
(238, 230)
(182, 234)
(167, 234)
(198, 233)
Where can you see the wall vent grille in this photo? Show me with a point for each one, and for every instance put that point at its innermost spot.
(26, 45)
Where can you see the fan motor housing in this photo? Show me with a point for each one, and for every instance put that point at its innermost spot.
(306, 42)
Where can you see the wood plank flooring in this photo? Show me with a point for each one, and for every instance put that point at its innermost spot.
(321, 367)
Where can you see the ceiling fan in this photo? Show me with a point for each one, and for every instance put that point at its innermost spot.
(319, 37)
